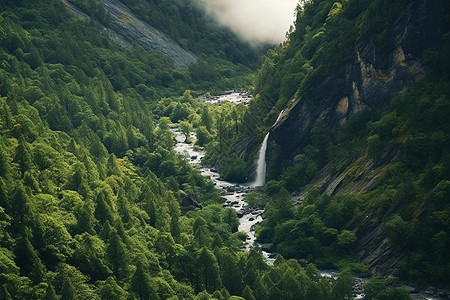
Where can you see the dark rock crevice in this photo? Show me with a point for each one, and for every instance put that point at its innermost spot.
(368, 83)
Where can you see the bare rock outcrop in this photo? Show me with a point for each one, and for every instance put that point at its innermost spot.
(145, 35)
(368, 82)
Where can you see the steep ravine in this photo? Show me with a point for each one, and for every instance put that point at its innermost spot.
(367, 83)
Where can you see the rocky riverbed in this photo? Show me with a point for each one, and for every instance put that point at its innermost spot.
(249, 218)
(234, 193)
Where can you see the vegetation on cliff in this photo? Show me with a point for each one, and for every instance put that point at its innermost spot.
(390, 167)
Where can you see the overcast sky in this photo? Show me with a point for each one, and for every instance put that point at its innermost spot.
(254, 20)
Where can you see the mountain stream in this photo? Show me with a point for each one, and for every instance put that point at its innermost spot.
(234, 194)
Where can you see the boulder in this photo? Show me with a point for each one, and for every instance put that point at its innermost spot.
(268, 247)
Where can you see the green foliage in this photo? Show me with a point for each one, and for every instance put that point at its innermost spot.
(343, 287)
(185, 128)
(87, 180)
(398, 231)
(377, 288)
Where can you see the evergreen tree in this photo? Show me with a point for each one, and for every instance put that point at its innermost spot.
(117, 255)
(202, 236)
(23, 155)
(3, 196)
(103, 211)
(141, 285)
(174, 212)
(247, 294)
(123, 207)
(6, 117)
(231, 219)
(19, 209)
(38, 272)
(86, 220)
(78, 180)
(342, 289)
(4, 164)
(260, 289)
(68, 290)
(50, 293)
(4, 293)
(111, 290)
(230, 271)
(208, 270)
(26, 256)
(289, 286)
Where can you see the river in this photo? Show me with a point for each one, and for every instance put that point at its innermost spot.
(232, 192)
(249, 218)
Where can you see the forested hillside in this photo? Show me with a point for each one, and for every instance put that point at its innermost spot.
(362, 144)
(90, 185)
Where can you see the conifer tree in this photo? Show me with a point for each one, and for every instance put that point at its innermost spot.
(23, 155)
(4, 164)
(111, 290)
(174, 212)
(247, 294)
(113, 168)
(68, 290)
(208, 270)
(117, 255)
(19, 210)
(105, 232)
(4, 293)
(140, 283)
(231, 219)
(260, 289)
(6, 117)
(86, 220)
(289, 286)
(123, 207)
(50, 293)
(202, 236)
(103, 211)
(342, 289)
(25, 255)
(78, 180)
(38, 271)
(3, 196)
(230, 272)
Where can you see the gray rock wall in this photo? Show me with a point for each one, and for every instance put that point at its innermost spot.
(376, 73)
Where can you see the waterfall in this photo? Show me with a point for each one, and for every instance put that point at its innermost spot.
(260, 179)
(279, 117)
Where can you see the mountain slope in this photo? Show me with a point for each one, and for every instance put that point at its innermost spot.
(363, 86)
(90, 184)
(148, 37)
(375, 71)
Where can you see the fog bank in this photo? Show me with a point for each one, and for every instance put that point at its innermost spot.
(254, 20)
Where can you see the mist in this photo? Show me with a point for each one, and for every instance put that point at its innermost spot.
(257, 21)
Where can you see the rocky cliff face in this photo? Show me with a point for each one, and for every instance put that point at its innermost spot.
(145, 35)
(377, 71)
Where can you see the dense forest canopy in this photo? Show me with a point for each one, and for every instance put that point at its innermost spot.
(90, 185)
(89, 180)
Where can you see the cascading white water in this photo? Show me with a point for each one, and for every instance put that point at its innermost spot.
(260, 179)
(279, 117)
